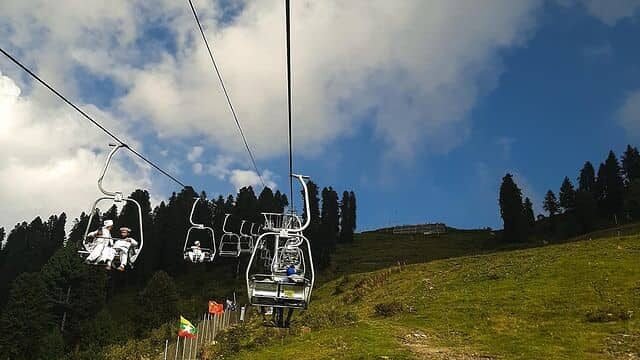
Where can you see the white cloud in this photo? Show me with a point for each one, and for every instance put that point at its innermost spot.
(629, 114)
(52, 159)
(607, 11)
(411, 70)
(195, 153)
(240, 178)
(197, 168)
(414, 79)
(221, 168)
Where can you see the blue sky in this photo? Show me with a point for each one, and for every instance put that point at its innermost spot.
(421, 123)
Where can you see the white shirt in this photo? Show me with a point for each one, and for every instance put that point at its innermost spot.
(106, 234)
(125, 244)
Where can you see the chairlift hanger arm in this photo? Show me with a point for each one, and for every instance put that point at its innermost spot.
(307, 207)
(116, 147)
(193, 209)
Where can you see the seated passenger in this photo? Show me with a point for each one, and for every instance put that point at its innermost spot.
(102, 240)
(195, 253)
(122, 247)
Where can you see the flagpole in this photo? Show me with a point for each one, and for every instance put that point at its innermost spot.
(177, 347)
(190, 343)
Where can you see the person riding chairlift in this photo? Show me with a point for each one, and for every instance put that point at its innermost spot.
(102, 241)
(122, 247)
(291, 270)
(195, 253)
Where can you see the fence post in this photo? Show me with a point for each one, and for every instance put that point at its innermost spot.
(184, 347)
(166, 347)
(177, 347)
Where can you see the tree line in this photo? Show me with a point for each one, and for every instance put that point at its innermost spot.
(608, 197)
(43, 280)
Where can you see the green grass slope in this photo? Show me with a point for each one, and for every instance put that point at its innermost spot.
(373, 251)
(578, 300)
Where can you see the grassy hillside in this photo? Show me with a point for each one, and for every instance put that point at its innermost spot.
(578, 300)
(374, 251)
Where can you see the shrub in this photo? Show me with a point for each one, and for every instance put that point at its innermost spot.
(608, 315)
(327, 317)
(387, 309)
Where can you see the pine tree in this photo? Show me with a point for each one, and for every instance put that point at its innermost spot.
(129, 217)
(158, 300)
(511, 210)
(611, 187)
(25, 319)
(347, 221)
(330, 218)
(266, 201)
(28, 248)
(528, 213)
(218, 214)
(281, 201)
(314, 231)
(111, 214)
(353, 207)
(550, 204)
(632, 199)
(567, 195)
(586, 210)
(587, 179)
(631, 164)
(247, 207)
(66, 272)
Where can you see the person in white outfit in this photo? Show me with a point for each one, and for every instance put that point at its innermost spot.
(123, 246)
(195, 254)
(101, 240)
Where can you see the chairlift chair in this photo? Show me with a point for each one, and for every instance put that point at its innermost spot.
(246, 240)
(274, 287)
(90, 244)
(192, 252)
(229, 242)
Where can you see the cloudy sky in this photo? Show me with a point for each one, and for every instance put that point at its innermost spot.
(418, 106)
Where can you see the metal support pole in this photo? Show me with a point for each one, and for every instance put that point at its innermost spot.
(166, 347)
(215, 326)
(184, 343)
(64, 316)
(177, 347)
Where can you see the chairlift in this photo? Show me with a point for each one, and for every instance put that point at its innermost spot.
(264, 252)
(192, 251)
(97, 250)
(292, 253)
(246, 240)
(229, 242)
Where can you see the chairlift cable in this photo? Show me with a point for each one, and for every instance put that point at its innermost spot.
(89, 118)
(226, 93)
(288, 28)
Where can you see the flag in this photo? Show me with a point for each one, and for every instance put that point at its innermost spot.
(215, 308)
(187, 329)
